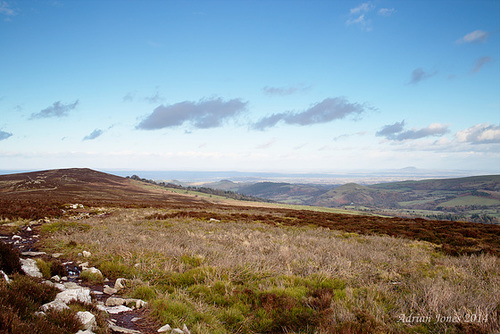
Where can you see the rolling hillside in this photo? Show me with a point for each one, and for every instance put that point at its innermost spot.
(470, 198)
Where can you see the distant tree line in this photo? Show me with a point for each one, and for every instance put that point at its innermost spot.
(204, 190)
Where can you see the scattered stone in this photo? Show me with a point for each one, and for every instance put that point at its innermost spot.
(30, 268)
(57, 305)
(80, 294)
(92, 270)
(119, 329)
(135, 303)
(64, 278)
(117, 309)
(33, 253)
(120, 283)
(185, 329)
(109, 291)
(95, 292)
(56, 278)
(165, 328)
(178, 331)
(87, 319)
(113, 301)
(28, 229)
(134, 319)
(84, 265)
(39, 314)
(56, 255)
(86, 254)
(16, 237)
(213, 220)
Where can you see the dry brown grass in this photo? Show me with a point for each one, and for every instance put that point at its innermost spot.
(385, 277)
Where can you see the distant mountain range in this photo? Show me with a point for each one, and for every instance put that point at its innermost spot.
(474, 198)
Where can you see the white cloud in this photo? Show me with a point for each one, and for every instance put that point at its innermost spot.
(328, 110)
(204, 114)
(57, 109)
(363, 8)
(4, 135)
(395, 131)
(480, 134)
(477, 36)
(283, 91)
(96, 133)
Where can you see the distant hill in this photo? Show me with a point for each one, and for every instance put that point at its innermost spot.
(475, 198)
(36, 194)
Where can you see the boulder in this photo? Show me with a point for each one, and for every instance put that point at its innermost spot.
(30, 268)
(109, 291)
(87, 319)
(80, 294)
(54, 305)
(165, 328)
(120, 283)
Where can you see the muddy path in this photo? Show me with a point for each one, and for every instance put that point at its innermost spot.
(26, 239)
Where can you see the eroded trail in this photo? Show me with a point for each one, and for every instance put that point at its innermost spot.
(125, 315)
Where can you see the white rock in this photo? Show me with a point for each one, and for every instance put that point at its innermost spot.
(165, 328)
(30, 268)
(86, 254)
(120, 283)
(109, 291)
(80, 294)
(135, 319)
(87, 319)
(119, 329)
(87, 331)
(185, 329)
(113, 301)
(56, 278)
(178, 331)
(54, 305)
(56, 255)
(117, 309)
(16, 237)
(56, 285)
(28, 229)
(33, 253)
(5, 277)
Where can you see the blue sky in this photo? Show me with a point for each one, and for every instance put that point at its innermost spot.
(292, 86)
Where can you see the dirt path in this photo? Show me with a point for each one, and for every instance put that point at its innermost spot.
(132, 321)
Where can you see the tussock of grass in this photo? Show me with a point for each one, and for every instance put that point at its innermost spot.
(239, 276)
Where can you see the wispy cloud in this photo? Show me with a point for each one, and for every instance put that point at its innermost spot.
(477, 36)
(204, 114)
(363, 8)
(361, 15)
(396, 131)
(325, 111)
(386, 11)
(57, 109)
(93, 135)
(419, 74)
(480, 63)
(4, 135)
(480, 134)
(347, 135)
(283, 91)
(7, 10)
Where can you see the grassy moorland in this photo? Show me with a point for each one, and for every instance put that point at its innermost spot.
(245, 276)
(252, 268)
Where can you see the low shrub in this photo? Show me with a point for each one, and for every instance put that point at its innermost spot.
(9, 259)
